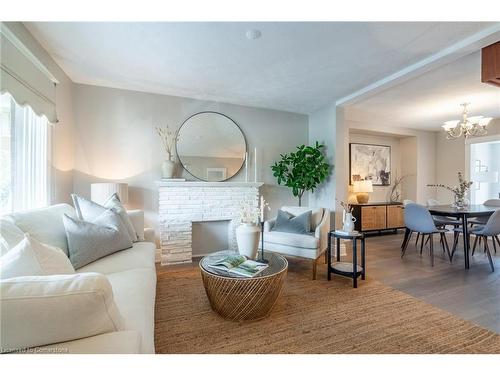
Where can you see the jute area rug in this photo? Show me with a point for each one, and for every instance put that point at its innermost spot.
(312, 317)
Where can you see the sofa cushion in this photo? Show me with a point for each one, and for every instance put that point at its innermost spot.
(10, 234)
(135, 292)
(33, 258)
(306, 241)
(140, 255)
(42, 310)
(89, 241)
(119, 342)
(316, 214)
(88, 210)
(44, 224)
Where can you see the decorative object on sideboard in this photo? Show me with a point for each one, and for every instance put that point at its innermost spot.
(302, 170)
(466, 126)
(362, 188)
(100, 192)
(168, 140)
(347, 219)
(370, 162)
(459, 192)
(209, 141)
(248, 233)
(395, 193)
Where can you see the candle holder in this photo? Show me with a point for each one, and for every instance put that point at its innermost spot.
(261, 258)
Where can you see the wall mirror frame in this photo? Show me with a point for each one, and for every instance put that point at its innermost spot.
(211, 146)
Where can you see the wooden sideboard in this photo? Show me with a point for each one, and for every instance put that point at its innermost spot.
(378, 216)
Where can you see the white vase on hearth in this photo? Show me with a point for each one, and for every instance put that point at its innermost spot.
(247, 237)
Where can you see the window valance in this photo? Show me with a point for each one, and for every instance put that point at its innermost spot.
(24, 77)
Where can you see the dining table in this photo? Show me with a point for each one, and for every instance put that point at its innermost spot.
(473, 210)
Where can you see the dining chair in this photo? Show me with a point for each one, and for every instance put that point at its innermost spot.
(490, 229)
(481, 220)
(440, 221)
(418, 219)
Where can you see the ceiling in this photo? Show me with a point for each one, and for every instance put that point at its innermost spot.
(427, 101)
(297, 67)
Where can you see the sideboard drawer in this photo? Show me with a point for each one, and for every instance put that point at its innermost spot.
(373, 218)
(395, 217)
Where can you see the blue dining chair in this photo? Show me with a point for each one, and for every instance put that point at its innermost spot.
(418, 219)
(481, 220)
(490, 229)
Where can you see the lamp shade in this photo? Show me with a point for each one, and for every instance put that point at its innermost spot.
(486, 177)
(364, 186)
(100, 192)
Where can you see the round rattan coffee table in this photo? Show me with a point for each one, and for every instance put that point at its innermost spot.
(243, 298)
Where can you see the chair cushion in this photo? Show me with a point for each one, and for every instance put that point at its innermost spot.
(288, 223)
(140, 255)
(306, 241)
(316, 214)
(33, 258)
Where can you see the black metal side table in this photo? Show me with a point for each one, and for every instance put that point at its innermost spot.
(347, 269)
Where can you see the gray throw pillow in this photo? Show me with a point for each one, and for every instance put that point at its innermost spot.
(88, 210)
(286, 222)
(90, 241)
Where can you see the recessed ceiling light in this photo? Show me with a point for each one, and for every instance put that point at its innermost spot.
(253, 34)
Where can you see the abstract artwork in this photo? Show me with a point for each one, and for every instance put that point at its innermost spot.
(370, 162)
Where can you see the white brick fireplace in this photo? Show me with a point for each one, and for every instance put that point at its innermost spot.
(182, 203)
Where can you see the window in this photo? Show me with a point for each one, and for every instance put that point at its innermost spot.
(24, 157)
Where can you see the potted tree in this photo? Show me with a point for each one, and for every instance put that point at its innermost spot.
(302, 170)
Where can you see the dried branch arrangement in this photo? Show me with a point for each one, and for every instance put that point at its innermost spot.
(168, 139)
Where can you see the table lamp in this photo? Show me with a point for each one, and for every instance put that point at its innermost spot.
(362, 188)
(100, 192)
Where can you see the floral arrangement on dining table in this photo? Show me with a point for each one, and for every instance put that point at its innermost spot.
(460, 191)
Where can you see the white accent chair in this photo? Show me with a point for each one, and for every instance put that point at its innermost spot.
(310, 246)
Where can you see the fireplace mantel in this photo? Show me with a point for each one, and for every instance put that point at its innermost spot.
(183, 202)
(208, 184)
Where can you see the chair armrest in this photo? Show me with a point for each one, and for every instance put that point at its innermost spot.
(322, 230)
(137, 219)
(269, 224)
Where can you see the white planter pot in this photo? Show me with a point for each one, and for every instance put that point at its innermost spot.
(167, 169)
(247, 236)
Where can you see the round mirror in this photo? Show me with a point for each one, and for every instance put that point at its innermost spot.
(211, 146)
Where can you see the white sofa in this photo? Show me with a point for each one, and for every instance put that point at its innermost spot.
(131, 273)
(310, 246)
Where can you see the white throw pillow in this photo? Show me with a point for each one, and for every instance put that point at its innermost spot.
(43, 310)
(30, 257)
(88, 210)
(89, 241)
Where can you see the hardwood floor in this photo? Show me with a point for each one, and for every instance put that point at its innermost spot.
(472, 294)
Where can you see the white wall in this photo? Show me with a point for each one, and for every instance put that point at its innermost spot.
(116, 141)
(63, 132)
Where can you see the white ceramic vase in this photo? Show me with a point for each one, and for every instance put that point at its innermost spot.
(348, 222)
(167, 169)
(247, 236)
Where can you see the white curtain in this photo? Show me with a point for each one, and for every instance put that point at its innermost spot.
(29, 158)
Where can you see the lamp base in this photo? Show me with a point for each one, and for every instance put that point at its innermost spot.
(362, 198)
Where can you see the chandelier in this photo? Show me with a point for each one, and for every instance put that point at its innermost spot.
(467, 126)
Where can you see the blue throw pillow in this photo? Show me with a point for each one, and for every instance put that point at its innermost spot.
(286, 222)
